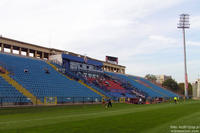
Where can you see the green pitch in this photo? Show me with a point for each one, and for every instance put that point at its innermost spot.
(122, 118)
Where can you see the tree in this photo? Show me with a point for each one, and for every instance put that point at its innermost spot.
(182, 88)
(151, 77)
(171, 84)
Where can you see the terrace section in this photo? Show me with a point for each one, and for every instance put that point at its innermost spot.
(40, 79)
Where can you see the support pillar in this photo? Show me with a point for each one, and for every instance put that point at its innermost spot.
(112, 69)
(42, 55)
(2, 47)
(123, 71)
(48, 56)
(35, 54)
(20, 51)
(28, 51)
(11, 49)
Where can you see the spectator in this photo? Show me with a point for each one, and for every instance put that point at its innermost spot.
(25, 70)
(140, 100)
(109, 103)
(2, 70)
(46, 70)
(175, 100)
(103, 102)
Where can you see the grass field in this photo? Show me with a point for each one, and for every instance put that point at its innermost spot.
(122, 118)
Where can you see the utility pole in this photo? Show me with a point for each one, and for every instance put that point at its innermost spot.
(184, 24)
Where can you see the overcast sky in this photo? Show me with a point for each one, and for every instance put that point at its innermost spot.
(141, 33)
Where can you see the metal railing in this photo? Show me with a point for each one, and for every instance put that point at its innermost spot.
(24, 101)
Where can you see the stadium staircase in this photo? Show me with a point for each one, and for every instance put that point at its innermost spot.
(20, 88)
(79, 81)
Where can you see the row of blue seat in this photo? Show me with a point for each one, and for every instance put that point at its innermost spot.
(98, 88)
(7, 90)
(40, 83)
(166, 92)
(153, 91)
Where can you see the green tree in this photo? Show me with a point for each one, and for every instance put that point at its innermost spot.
(182, 88)
(151, 77)
(171, 84)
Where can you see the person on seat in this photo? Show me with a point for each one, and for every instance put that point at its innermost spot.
(46, 70)
(25, 70)
(2, 70)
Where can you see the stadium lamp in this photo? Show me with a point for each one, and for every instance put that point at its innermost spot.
(183, 24)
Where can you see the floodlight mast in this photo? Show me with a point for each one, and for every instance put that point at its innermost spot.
(184, 24)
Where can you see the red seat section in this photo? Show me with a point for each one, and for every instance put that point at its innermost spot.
(108, 83)
(111, 84)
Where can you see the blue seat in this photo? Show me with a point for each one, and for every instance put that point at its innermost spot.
(41, 84)
(8, 94)
(154, 91)
(166, 92)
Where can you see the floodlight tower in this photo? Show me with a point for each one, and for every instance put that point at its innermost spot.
(184, 24)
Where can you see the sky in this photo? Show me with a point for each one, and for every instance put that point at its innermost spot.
(143, 34)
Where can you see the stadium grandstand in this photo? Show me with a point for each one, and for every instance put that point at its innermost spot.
(35, 75)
